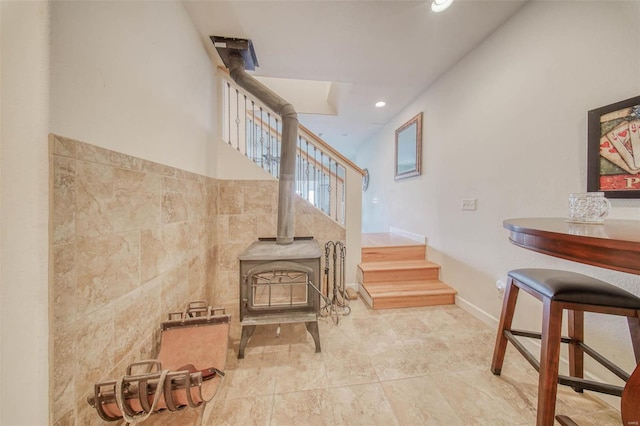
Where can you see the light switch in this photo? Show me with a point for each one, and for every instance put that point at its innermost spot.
(469, 204)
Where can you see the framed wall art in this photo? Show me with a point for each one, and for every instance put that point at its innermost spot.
(408, 148)
(613, 154)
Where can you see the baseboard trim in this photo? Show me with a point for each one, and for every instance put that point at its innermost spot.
(354, 286)
(481, 314)
(410, 235)
(365, 296)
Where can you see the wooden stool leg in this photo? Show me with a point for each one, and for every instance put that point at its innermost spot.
(576, 353)
(506, 318)
(630, 402)
(549, 361)
(634, 329)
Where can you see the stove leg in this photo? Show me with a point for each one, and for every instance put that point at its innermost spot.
(247, 332)
(312, 328)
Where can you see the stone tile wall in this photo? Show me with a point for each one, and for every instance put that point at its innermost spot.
(130, 241)
(247, 210)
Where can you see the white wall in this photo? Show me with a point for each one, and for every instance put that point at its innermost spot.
(24, 213)
(508, 125)
(353, 225)
(133, 77)
(308, 96)
(129, 76)
(233, 165)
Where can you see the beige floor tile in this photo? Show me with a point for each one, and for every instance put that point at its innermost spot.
(480, 395)
(250, 382)
(410, 358)
(312, 407)
(417, 366)
(417, 401)
(240, 411)
(187, 416)
(362, 405)
(348, 366)
(303, 372)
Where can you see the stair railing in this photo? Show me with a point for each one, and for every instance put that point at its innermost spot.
(254, 130)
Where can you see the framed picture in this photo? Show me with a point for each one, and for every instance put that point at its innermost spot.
(409, 148)
(613, 157)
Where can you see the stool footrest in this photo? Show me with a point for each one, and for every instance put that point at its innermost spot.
(574, 382)
(534, 335)
(565, 420)
(510, 335)
(585, 384)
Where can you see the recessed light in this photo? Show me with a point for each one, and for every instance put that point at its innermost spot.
(380, 104)
(440, 5)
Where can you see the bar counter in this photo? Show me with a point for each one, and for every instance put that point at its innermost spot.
(614, 244)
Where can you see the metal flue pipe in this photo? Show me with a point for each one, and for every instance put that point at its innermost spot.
(286, 189)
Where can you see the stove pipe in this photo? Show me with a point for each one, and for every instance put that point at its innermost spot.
(286, 189)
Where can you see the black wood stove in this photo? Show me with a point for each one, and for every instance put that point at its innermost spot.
(279, 284)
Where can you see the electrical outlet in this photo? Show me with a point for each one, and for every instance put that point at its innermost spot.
(470, 204)
(500, 286)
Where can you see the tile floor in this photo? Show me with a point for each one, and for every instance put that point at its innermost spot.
(417, 366)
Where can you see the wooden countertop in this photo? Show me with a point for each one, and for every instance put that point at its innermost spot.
(615, 244)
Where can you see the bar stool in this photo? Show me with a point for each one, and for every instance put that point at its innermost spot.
(577, 293)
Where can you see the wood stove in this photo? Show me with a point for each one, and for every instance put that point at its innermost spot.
(279, 277)
(279, 284)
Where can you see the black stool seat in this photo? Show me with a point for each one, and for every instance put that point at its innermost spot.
(571, 287)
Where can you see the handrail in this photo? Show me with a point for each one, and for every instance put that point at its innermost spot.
(329, 148)
(306, 133)
(317, 139)
(253, 129)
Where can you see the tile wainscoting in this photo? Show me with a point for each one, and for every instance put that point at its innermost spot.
(131, 240)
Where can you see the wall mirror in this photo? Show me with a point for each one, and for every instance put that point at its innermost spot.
(409, 148)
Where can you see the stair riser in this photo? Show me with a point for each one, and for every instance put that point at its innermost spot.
(412, 302)
(400, 275)
(366, 297)
(384, 254)
(395, 273)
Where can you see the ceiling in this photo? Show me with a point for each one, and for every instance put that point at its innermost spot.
(370, 50)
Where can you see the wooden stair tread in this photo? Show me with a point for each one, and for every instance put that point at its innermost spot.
(410, 294)
(397, 265)
(407, 295)
(393, 253)
(411, 286)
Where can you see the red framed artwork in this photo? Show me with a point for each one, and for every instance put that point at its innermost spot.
(614, 149)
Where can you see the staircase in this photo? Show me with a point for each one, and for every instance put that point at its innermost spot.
(394, 273)
(323, 177)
